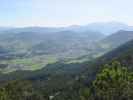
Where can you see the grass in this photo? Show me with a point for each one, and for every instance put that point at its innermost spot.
(76, 61)
(33, 63)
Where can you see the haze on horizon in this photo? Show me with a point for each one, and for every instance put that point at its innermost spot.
(64, 12)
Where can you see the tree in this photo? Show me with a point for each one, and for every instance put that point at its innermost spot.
(114, 82)
(20, 90)
(3, 94)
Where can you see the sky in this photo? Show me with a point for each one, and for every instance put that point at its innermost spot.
(64, 12)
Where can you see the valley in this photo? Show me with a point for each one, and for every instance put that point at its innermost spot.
(58, 63)
(29, 50)
(33, 48)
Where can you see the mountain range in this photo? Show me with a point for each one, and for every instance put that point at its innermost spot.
(106, 28)
(32, 48)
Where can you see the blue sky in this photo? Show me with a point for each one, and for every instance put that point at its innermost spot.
(64, 12)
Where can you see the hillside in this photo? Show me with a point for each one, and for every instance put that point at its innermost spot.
(123, 53)
(116, 39)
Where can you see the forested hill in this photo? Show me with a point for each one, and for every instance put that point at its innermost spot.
(116, 39)
(111, 75)
(123, 53)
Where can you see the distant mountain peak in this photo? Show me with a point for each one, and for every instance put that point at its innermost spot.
(106, 28)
